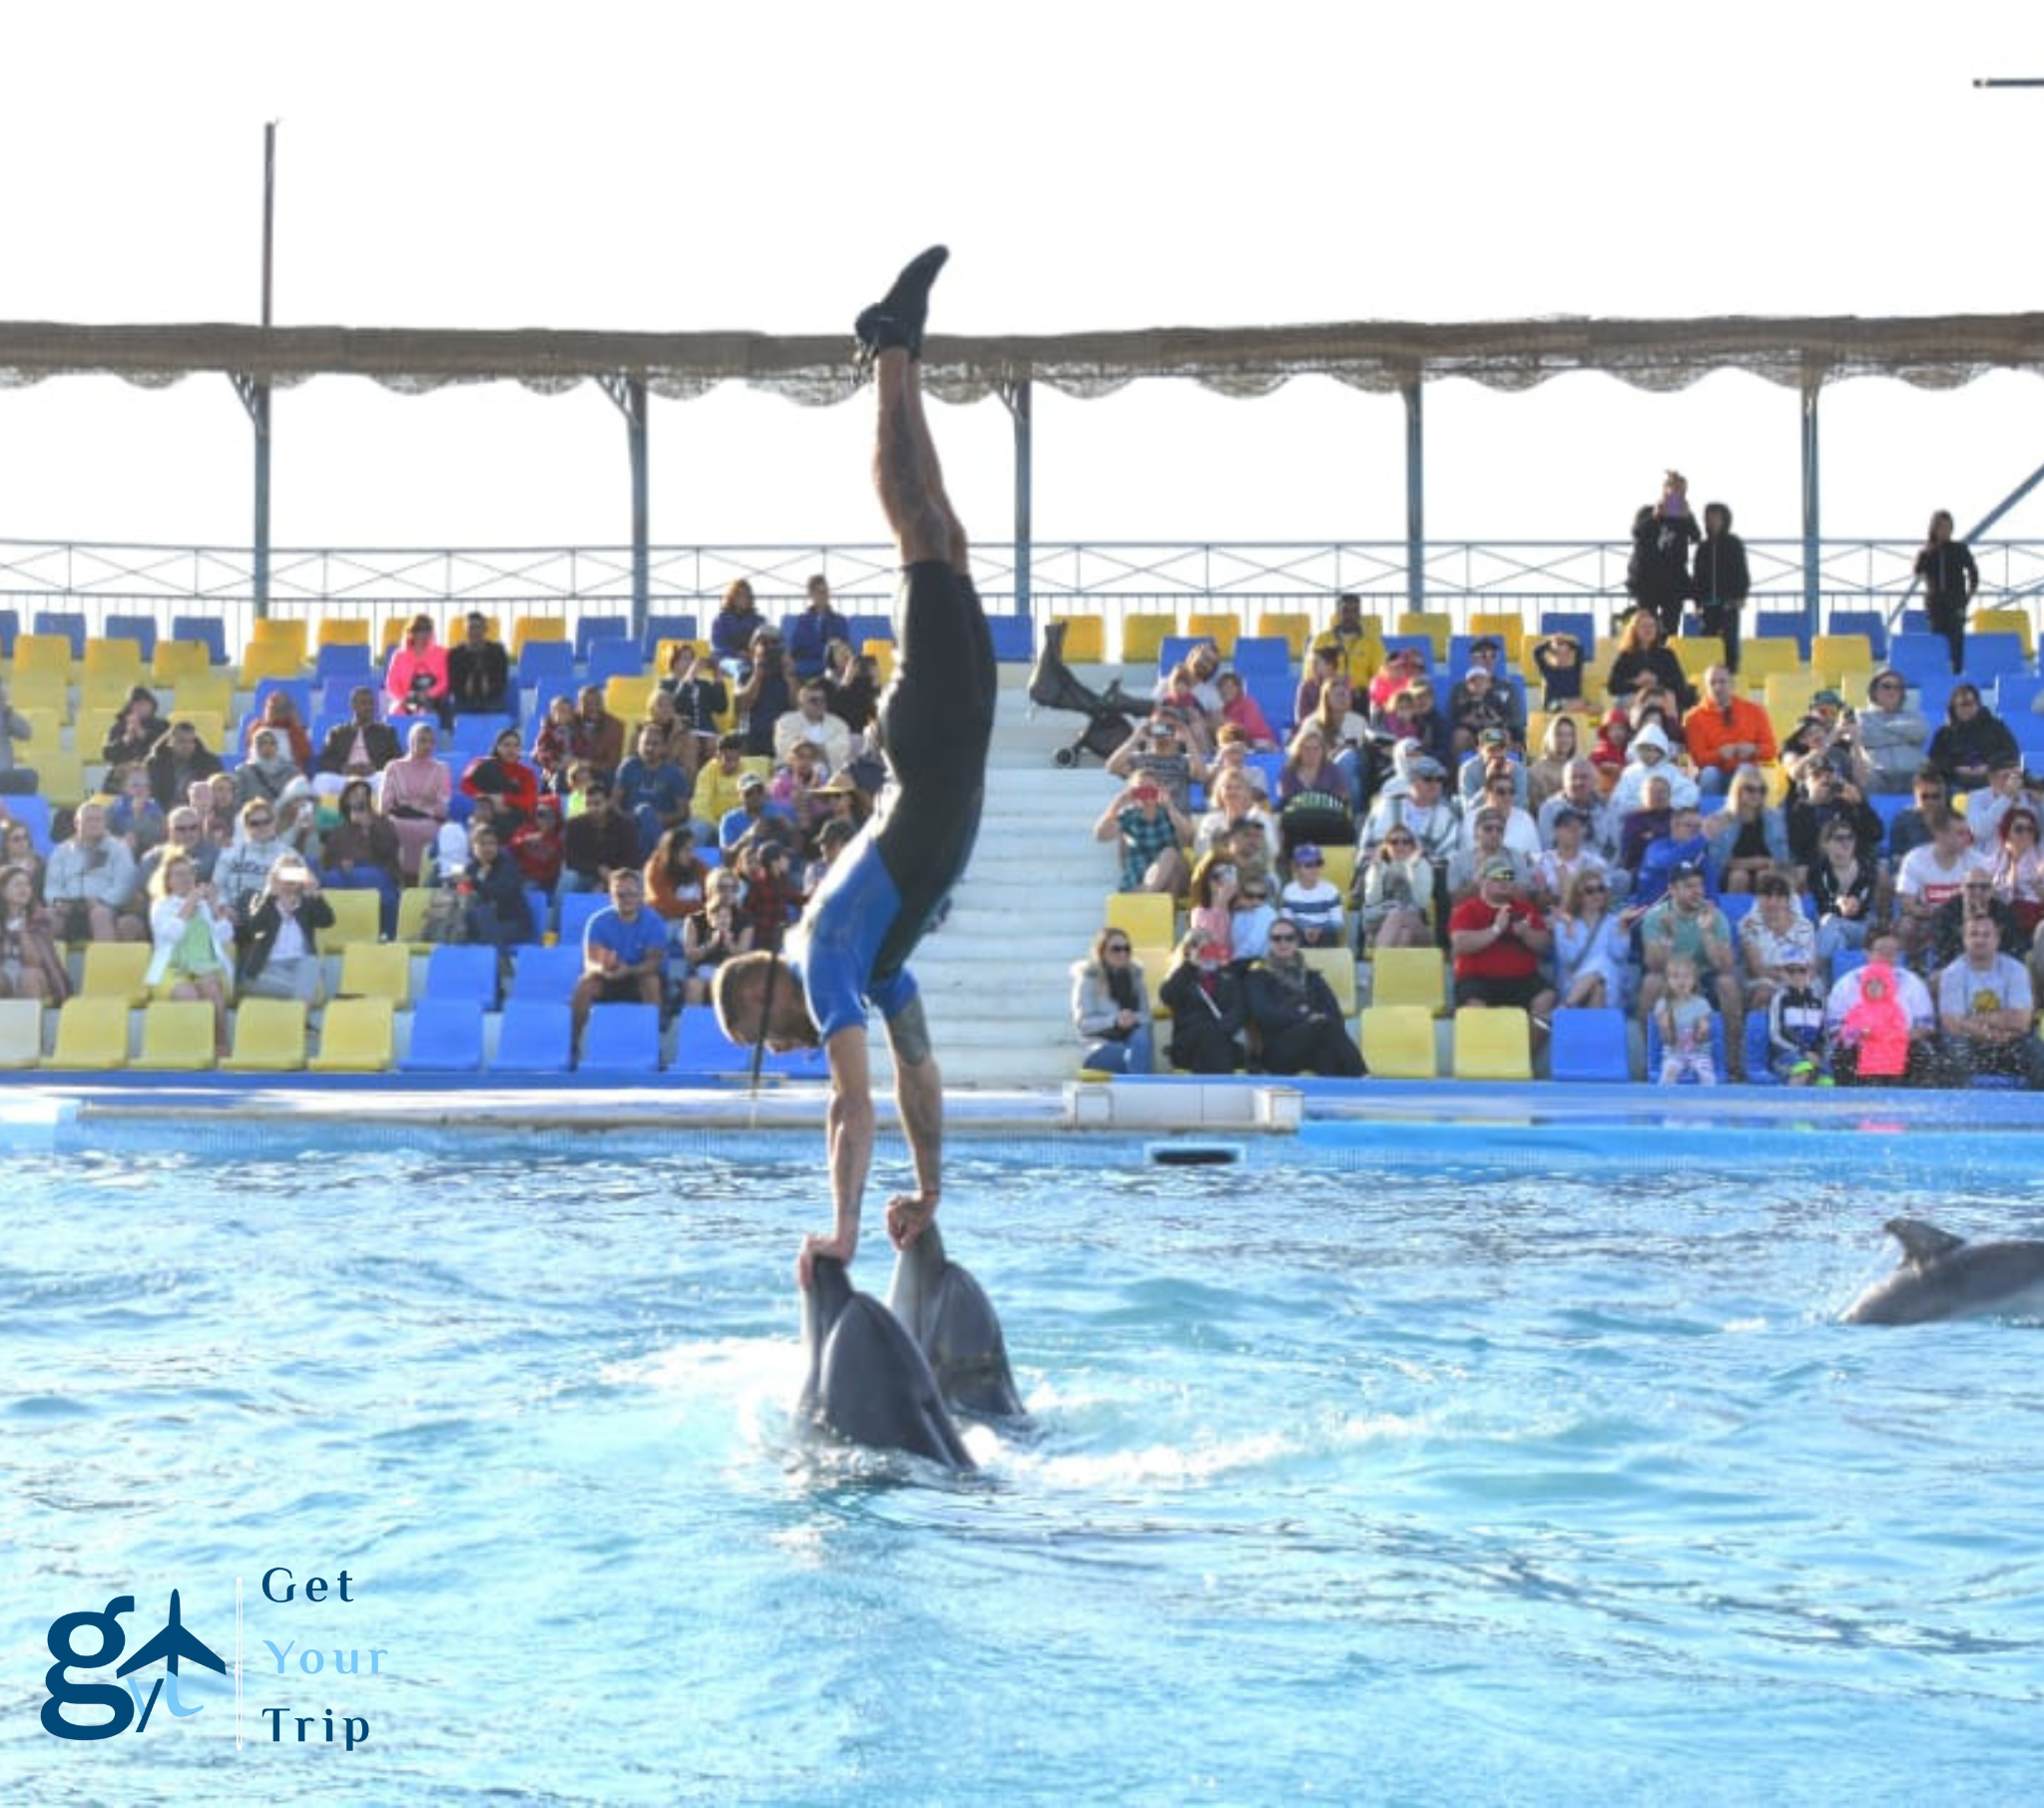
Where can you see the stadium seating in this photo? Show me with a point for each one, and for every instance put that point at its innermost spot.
(357, 917)
(1143, 639)
(1409, 975)
(446, 1035)
(1146, 917)
(177, 1037)
(466, 974)
(1398, 1043)
(1590, 1045)
(533, 1037)
(91, 1033)
(1337, 967)
(356, 1036)
(621, 1039)
(21, 1032)
(270, 1036)
(115, 970)
(1493, 1043)
(376, 970)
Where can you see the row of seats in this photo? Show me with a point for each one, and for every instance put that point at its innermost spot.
(371, 1036)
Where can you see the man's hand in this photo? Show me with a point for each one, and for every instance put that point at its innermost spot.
(813, 1246)
(909, 1214)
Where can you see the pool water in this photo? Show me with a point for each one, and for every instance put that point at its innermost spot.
(1355, 1482)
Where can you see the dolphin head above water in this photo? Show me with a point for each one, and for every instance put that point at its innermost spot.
(954, 1325)
(866, 1380)
(1945, 1276)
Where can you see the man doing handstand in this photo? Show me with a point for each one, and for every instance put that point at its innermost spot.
(935, 722)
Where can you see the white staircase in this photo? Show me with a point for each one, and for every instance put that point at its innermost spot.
(996, 978)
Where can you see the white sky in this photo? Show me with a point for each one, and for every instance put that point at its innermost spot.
(684, 166)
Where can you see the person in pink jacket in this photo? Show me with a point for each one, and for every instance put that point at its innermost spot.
(416, 680)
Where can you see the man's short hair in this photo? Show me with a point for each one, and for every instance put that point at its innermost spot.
(733, 742)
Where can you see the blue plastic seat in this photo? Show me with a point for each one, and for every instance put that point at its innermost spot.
(545, 975)
(34, 810)
(2014, 693)
(1921, 656)
(1760, 1053)
(1014, 638)
(539, 910)
(1870, 622)
(462, 973)
(574, 910)
(209, 629)
(300, 690)
(70, 622)
(348, 660)
(870, 627)
(446, 1034)
(10, 630)
(139, 628)
(665, 628)
(475, 735)
(621, 1039)
(1589, 1044)
(1989, 656)
(592, 631)
(611, 659)
(1737, 906)
(547, 663)
(1779, 626)
(1421, 643)
(703, 1052)
(1579, 623)
(534, 1037)
(1261, 654)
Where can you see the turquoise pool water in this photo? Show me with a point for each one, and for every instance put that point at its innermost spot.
(1534, 1478)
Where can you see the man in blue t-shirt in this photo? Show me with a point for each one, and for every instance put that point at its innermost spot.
(623, 952)
(850, 949)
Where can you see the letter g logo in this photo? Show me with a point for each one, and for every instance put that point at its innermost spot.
(76, 1695)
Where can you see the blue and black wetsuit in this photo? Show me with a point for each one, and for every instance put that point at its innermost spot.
(936, 721)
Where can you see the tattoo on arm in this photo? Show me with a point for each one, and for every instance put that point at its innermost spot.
(908, 1035)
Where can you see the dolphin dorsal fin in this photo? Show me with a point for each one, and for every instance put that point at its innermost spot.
(1922, 1243)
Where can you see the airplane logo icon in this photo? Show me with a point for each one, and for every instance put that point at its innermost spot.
(173, 1644)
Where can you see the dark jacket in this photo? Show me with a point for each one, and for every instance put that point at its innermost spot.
(1949, 577)
(257, 939)
(1206, 1025)
(379, 741)
(1808, 821)
(1970, 748)
(587, 844)
(1657, 574)
(1661, 660)
(808, 633)
(169, 781)
(498, 912)
(479, 677)
(1721, 573)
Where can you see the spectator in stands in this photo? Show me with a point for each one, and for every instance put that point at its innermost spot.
(1346, 734)
(811, 632)
(1492, 700)
(676, 881)
(1933, 875)
(479, 672)
(1499, 941)
(1560, 742)
(1111, 1007)
(1775, 935)
(1395, 895)
(623, 952)
(1687, 923)
(1796, 1027)
(1644, 828)
(557, 743)
(1881, 1021)
(677, 742)
(133, 735)
(30, 965)
(1353, 640)
(768, 692)
(1973, 738)
(1204, 995)
(853, 681)
(600, 735)
(1747, 838)
(1558, 658)
(1152, 837)
(1323, 666)
(183, 833)
(16, 782)
(718, 787)
(701, 696)
(1613, 742)
(1928, 791)
(1298, 1023)
(1412, 715)
(1721, 581)
(1557, 867)
(735, 629)
(1983, 809)
(18, 848)
(496, 911)
(1314, 799)
(1502, 780)
(796, 792)
(1416, 801)
(1581, 793)
(1950, 579)
(506, 781)
(179, 760)
(1592, 956)
(1233, 800)
(278, 939)
(194, 936)
(417, 793)
(363, 744)
(811, 721)
(713, 935)
(1403, 666)
(1231, 754)
(89, 883)
(361, 852)
(773, 896)
(757, 816)
(1216, 883)
(1682, 1018)
(1819, 798)
(651, 792)
(1310, 902)
(1184, 697)
(266, 770)
(415, 680)
(297, 820)
(1254, 913)
(1484, 830)
(1241, 711)
(244, 864)
(1158, 753)
(132, 812)
(1985, 1010)
(1976, 899)
(1644, 662)
(1649, 754)
(599, 843)
(1658, 576)
(279, 715)
(537, 846)
(1844, 886)
(1725, 732)
(1891, 735)
(2019, 865)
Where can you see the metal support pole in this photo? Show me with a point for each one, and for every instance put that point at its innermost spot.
(1812, 552)
(1415, 497)
(254, 391)
(629, 393)
(2008, 502)
(1017, 398)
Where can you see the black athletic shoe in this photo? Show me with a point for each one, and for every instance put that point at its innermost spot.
(897, 317)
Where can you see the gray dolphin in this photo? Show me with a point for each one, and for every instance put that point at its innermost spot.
(867, 1380)
(953, 1323)
(1945, 1276)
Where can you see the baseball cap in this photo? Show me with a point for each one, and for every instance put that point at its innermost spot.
(1425, 766)
(1569, 813)
(1499, 870)
(1826, 697)
(1305, 854)
(1684, 869)
(751, 781)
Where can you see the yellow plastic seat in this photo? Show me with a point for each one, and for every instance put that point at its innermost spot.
(376, 970)
(881, 652)
(1295, 630)
(1156, 963)
(211, 726)
(115, 970)
(39, 691)
(1148, 918)
(59, 774)
(1436, 626)
(357, 917)
(106, 690)
(1409, 975)
(44, 655)
(44, 732)
(1508, 629)
(175, 662)
(91, 1033)
(1493, 1043)
(1221, 627)
(120, 659)
(21, 1032)
(1699, 652)
(356, 1036)
(2002, 620)
(270, 659)
(281, 631)
(1397, 1043)
(1337, 867)
(270, 1036)
(1836, 657)
(624, 695)
(342, 630)
(1792, 691)
(205, 692)
(412, 904)
(1760, 659)
(177, 1037)
(1143, 638)
(537, 628)
(1337, 967)
(1085, 640)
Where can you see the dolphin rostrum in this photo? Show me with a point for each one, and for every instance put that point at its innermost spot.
(867, 1380)
(953, 1323)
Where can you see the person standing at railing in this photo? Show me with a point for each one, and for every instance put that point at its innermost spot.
(1721, 580)
(1658, 576)
(1950, 580)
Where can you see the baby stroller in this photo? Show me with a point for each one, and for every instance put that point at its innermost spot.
(1108, 712)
